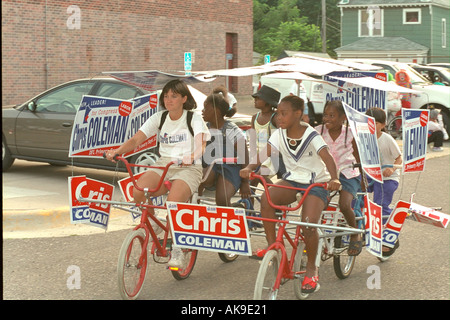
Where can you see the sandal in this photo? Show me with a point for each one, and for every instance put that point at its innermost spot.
(354, 246)
(391, 251)
(312, 282)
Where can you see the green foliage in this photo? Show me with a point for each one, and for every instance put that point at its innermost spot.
(289, 25)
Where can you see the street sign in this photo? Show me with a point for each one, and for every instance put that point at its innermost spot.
(267, 58)
(187, 61)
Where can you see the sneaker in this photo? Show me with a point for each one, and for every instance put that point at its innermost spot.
(177, 257)
(437, 149)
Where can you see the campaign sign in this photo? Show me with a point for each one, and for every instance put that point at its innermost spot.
(429, 216)
(210, 228)
(394, 223)
(364, 132)
(374, 226)
(96, 214)
(358, 97)
(104, 123)
(126, 188)
(415, 139)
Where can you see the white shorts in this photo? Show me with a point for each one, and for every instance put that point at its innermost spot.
(191, 175)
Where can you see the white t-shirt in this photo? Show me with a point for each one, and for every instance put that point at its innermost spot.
(175, 138)
(303, 165)
(389, 151)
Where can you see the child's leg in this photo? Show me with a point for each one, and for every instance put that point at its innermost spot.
(149, 179)
(179, 192)
(279, 196)
(224, 191)
(437, 137)
(311, 211)
(383, 194)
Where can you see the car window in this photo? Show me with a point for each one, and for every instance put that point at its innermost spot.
(66, 99)
(387, 68)
(117, 91)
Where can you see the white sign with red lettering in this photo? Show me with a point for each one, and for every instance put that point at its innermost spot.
(92, 213)
(394, 223)
(126, 188)
(429, 216)
(374, 227)
(210, 228)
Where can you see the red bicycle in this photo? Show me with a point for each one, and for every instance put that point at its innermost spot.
(133, 257)
(278, 266)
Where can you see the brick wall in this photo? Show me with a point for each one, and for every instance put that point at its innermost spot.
(44, 43)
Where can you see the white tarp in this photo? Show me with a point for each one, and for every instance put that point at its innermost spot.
(153, 80)
(374, 83)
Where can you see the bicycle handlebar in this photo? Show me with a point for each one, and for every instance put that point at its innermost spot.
(128, 165)
(285, 208)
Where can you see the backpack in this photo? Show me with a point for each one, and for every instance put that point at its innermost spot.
(188, 120)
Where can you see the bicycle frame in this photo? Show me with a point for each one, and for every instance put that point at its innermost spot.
(286, 266)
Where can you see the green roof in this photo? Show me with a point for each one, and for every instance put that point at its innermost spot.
(380, 43)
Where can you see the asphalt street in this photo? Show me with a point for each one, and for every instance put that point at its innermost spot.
(42, 250)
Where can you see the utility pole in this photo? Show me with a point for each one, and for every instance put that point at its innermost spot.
(324, 26)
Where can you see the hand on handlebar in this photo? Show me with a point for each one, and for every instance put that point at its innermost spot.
(334, 185)
(245, 173)
(110, 155)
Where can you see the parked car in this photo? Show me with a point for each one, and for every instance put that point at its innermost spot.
(40, 128)
(433, 95)
(433, 73)
(440, 64)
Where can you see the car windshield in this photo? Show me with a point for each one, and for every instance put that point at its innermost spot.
(446, 73)
(416, 78)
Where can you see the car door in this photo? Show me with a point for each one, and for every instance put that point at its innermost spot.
(45, 132)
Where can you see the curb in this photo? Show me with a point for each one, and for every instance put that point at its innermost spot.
(31, 220)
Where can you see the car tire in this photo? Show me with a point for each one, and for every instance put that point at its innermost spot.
(146, 158)
(7, 160)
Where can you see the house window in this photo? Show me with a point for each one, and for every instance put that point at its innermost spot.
(412, 16)
(444, 33)
(371, 22)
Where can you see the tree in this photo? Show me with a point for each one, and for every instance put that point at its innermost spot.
(279, 25)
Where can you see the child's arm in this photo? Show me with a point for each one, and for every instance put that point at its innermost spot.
(242, 152)
(199, 149)
(334, 184)
(254, 163)
(389, 171)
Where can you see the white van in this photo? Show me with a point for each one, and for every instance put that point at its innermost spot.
(436, 95)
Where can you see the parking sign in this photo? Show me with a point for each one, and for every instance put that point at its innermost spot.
(187, 61)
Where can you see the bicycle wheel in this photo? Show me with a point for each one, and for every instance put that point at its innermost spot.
(394, 127)
(342, 262)
(132, 265)
(299, 271)
(227, 257)
(267, 274)
(190, 257)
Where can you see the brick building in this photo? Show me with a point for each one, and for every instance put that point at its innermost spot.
(45, 43)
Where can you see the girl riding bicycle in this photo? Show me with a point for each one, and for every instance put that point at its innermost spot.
(175, 143)
(304, 159)
(344, 151)
(227, 140)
